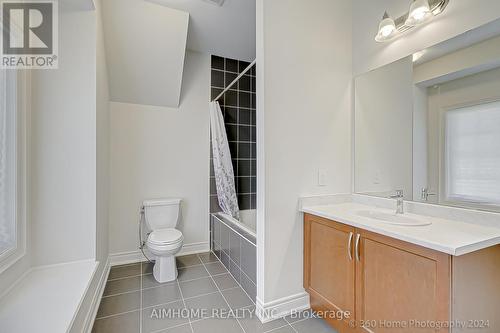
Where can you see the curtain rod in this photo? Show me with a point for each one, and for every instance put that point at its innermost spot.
(235, 80)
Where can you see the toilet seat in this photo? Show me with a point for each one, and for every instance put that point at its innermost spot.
(167, 236)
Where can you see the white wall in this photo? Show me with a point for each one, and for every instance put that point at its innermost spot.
(460, 16)
(103, 123)
(162, 152)
(102, 173)
(303, 123)
(63, 147)
(383, 129)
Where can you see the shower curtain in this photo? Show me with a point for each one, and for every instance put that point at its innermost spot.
(223, 166)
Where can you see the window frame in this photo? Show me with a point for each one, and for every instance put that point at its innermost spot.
(22, 105)
(444, 197)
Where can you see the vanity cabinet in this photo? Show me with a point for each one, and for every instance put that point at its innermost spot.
(398, 282)
(330, 273)
(387, 285)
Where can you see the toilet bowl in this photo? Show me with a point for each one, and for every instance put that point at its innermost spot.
(164, 241)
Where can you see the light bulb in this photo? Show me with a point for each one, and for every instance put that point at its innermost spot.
(420, 12)
(386, 29)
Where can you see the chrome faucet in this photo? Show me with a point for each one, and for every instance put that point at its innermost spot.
(425, 194)
(400, 203)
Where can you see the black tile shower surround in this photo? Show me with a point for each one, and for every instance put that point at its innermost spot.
(238, 109)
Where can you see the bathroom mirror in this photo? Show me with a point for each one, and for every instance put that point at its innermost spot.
(429, 124)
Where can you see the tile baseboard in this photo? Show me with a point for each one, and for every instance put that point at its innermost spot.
(282, 307)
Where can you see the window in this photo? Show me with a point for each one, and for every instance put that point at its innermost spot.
(7, 163)
(12, 167)
(472, 154)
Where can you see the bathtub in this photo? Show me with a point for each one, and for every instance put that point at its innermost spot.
(234, 243)
(245, 227)
(247, 221)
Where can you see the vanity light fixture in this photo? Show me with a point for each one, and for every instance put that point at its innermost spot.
(386, 29)
(420, 12)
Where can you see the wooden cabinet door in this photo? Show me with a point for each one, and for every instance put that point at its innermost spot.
(398, 283)
(329, 267)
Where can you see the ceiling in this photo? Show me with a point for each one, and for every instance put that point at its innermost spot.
(146, 42)
(227, 31)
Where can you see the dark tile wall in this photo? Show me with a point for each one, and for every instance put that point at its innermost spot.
(237, 251)
(238, 108)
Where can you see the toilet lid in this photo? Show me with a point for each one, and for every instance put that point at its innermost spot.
(165, 236)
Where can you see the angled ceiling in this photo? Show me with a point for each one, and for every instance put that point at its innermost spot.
(145, 50)
(227, 31)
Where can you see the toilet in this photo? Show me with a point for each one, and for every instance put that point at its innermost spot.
(164, 241)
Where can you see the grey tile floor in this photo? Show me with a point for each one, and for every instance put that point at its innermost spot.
(199, 301)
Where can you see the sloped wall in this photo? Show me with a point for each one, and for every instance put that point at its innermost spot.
(145, 49)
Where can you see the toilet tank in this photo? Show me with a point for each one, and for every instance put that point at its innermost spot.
(162, 213)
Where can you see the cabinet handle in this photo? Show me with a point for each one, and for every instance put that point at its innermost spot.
(358, 236)
(349, 245)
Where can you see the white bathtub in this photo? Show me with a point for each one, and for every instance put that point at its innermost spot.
(247, 220)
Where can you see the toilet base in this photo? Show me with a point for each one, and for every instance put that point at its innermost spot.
(165, 269)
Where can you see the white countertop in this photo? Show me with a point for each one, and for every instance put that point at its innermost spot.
(47, 299)
(448, 236)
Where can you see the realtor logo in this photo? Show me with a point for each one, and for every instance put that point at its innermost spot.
(29, 34)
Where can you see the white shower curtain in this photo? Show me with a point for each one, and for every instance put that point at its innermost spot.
(223, 167)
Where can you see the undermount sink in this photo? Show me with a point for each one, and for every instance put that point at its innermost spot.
(396, 219)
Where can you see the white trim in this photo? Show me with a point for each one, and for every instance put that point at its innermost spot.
(96, 299)
(260, 149)
(131, 257)
(22, 104)
(123, 258)
(282, 307)
(16, 282)
(96, 267)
